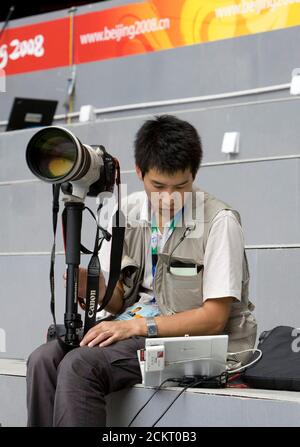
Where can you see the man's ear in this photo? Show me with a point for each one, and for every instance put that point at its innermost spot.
(139, 172)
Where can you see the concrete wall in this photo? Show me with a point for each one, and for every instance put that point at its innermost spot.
(195, 408)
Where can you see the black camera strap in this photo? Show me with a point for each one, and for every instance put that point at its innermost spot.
(94, 268)
(93, 278)
(118, 234)
(92, 291)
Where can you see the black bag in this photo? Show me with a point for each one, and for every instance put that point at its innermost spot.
(279, 366)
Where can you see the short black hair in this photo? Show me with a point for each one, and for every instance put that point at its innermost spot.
(167, 144)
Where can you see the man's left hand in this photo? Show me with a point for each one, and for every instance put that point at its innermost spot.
(108, 332)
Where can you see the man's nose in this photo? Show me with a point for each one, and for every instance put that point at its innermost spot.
(169, 191)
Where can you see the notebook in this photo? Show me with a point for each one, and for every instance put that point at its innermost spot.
(187, 356)
(31, 112)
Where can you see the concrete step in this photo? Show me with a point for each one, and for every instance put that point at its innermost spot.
(205, 408)
(230, 407)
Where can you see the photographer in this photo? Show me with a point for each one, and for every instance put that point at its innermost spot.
(200, 282)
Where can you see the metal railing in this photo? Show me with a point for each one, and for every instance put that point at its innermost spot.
(178, 101)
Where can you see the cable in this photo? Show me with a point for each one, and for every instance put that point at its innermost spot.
(192, 385)
(192, 382)
(159, 388)
(196, 383)
(232, 371)
(182, 391)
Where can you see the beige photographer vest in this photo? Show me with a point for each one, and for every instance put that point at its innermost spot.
(175, 293)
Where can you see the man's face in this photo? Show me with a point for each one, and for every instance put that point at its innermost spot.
(166, 191)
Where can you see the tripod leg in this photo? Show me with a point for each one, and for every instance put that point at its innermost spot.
(72, 319)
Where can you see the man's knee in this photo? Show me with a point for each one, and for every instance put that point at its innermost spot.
(46, 354)
(83, 362)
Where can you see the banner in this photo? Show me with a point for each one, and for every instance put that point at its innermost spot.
(139, 28)
(35, 47)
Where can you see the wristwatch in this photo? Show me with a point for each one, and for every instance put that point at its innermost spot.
(151, 327)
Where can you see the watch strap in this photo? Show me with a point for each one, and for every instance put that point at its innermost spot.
(151, 327)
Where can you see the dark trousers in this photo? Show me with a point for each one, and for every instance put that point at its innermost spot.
(68, 390)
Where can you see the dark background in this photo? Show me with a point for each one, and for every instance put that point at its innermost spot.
(26, 9)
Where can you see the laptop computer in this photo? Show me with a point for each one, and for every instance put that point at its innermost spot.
(30, 112)
(189, 356)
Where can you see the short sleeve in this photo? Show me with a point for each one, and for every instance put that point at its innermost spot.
(223, 259)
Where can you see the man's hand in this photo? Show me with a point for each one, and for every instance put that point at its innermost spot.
(108, 332)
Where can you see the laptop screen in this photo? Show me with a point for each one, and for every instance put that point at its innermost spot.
(29, 112)
(188, 356)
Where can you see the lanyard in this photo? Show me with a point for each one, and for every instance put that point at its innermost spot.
(154, 242)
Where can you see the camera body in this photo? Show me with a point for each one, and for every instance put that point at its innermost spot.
(107, 173)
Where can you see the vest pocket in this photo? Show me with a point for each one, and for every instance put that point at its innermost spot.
(179, 292)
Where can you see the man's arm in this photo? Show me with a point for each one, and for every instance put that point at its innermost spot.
(116, 302)
(209, 319)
